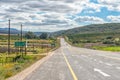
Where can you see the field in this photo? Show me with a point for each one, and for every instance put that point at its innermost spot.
(18, 59)
(109, 48)
(8, 69)
(99, 41)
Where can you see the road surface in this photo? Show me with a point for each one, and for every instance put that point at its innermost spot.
(72, 63)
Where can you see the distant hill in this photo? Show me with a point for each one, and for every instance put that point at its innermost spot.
(39, 33)
(93, 28)
(12, 30)
(15, 31)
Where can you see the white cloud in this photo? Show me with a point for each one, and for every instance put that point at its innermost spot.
(51, 14)
(115, 19)
(90, 19)
(113, 5)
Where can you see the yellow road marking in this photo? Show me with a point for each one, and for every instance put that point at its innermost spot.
(70, 68)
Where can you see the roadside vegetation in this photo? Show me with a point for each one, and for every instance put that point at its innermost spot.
(95, 36)
(101, 41)
(18, 59)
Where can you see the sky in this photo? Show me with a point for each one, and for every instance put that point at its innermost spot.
(55, 15)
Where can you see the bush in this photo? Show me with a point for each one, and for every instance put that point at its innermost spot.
(8, 74)
(117, 43)
(35, 52)
(109, 37)
(108, 42)
(21, 60)
(43, 36)
(17, 67)
(74, 42)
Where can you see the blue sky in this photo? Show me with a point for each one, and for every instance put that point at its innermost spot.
(55, 15)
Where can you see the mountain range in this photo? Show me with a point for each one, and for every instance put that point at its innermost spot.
(15, 31)
(93, 28)
(12, 30)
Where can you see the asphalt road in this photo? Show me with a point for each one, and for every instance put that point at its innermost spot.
(72, 63)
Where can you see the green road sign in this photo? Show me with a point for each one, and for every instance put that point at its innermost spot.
(20, 44)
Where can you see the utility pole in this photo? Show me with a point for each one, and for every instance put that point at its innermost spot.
(9, 37)
(26, 48)
(21, 32)
(21, 40)
(33, 47)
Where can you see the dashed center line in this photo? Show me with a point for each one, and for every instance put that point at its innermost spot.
(100, 61)
(108, 64)
(104, 74)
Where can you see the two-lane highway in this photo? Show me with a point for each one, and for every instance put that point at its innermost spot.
(72, 63)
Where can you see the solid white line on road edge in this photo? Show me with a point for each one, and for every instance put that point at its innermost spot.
(70, 68)
(104, 74)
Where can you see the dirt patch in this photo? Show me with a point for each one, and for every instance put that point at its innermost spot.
(90, 45)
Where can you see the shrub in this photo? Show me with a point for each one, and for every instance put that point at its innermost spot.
(35, 52)
(17, 67)
(8, 66)
(108, 42)
(8, 74)
(109, 37)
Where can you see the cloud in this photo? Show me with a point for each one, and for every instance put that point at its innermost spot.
(51, 6)
(52, 15)
(113, 5)
(90, 19)
(115, 19)
(12, 1)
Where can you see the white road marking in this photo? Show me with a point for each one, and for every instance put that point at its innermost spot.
(84, 56)
(104, 74)
(75, 55)
(108, 64)
(95, 60)
(118, 67)
(100, 62)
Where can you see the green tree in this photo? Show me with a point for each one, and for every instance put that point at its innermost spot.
(30, 35)
(44, 36)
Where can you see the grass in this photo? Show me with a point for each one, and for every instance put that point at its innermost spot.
(79, 45)
(10, 69)
(99, 41)
(35, 51)
(108, 48)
